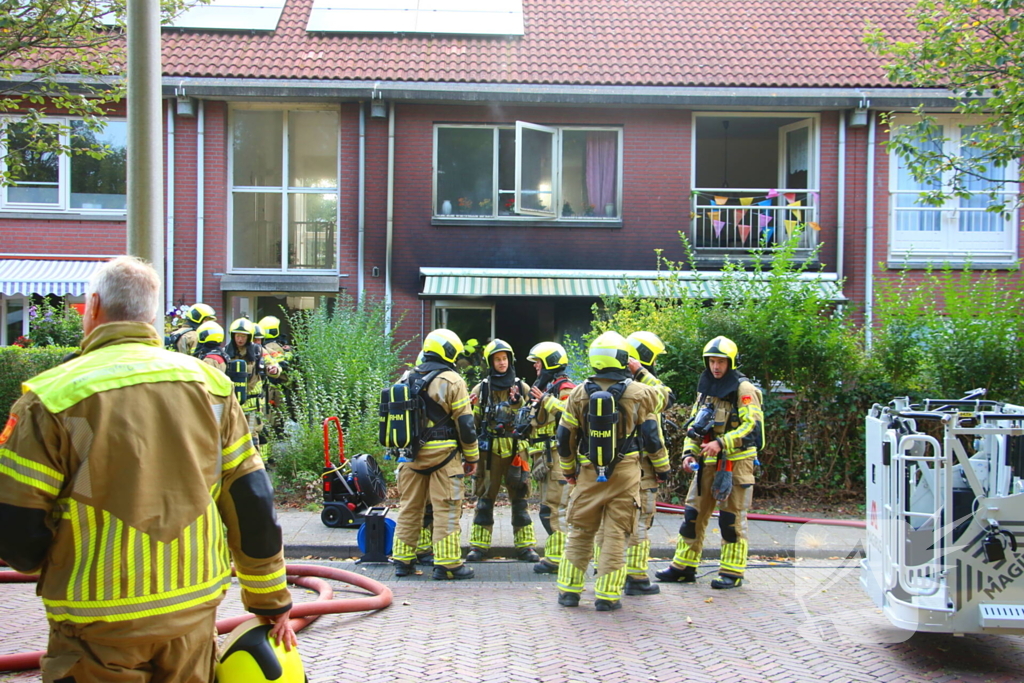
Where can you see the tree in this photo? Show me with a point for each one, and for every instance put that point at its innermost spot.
(63, 56)
(975, 48)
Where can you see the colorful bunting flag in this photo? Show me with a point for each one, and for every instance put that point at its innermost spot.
(718, 225)
(791, 226)
(799, 215)
(721, 200)
(763, 220)
(744, 232)
(768, 232)
(740, 213)
(815, 226)
(765, 202)
(772, 193)
(790, 196)
(714, 215)
(745, 201)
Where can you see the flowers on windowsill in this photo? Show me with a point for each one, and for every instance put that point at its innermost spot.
(465, 204)
(508, 207)
(485, 205)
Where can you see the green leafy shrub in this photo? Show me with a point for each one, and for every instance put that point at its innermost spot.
(18, 364)
(343, 359)
(50, 325)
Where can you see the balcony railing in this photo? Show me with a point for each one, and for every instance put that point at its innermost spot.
(737, 220)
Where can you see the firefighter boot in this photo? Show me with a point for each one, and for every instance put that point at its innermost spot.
(602, 605)
(476, 555)
(569, 599)
(641, 585)
(402, 568)
(725, 581)
(442, 573)
(673, 573)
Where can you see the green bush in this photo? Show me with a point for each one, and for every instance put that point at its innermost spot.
(18, 364)
(343, 358)
(50, 325)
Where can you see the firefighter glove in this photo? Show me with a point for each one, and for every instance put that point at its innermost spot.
(663, 476)
(721, 487)
(540, 468)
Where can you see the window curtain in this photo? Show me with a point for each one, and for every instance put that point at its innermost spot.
(601, 170)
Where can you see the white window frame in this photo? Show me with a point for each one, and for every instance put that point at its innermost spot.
(949, 245)
(4, 341)
(63, 204)
(532, 215)
(448, 304)
(283, 190)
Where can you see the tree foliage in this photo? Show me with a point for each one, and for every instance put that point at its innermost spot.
(975, 48)
(60, 56)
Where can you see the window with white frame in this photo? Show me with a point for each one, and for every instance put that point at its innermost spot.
(13, 319)
(960, 229)
(468, 319)
(527, 171)
(92, 177)
(284, 189)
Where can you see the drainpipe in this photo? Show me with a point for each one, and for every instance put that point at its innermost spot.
(169, 283)
(361, 221)
(200, 197)
(869, 273)
(841, 199)
(391, 215)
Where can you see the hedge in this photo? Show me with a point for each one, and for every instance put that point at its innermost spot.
(18, 364)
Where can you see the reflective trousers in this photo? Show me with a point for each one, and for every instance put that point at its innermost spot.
(554, 500)
(614, 504)
(443, 489)
(493, 472)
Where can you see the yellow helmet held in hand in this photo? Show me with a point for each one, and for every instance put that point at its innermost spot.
(271, 326)
(444, 343)
(250, 655)
(551, 355)
(209, 332)
(609, 351)
(648, 347)
(200, 312)
(721, 347)
(243, 326)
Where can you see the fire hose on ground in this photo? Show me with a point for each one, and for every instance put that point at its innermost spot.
(756, 517)
(309, 576)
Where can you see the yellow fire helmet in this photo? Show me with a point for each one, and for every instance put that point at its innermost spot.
(257, 332)
(648, 347)
(250, 655)
(495, 346)
(210, 331)
(243, 326)
(722, 347)
(271, 326)
(200, 312)
(444, 343)
(550, 354)
(610, 351)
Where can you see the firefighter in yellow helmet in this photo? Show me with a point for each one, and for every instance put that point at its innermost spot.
(549, 393)
(724, 434)
(185, 338)
(607, 420)
(504, 458)
(210, 346)
(131, 512)
(435, 474)
(248, 366)
(280, 354)
(645, 347)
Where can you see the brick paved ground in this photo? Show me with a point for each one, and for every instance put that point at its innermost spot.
(809, 621)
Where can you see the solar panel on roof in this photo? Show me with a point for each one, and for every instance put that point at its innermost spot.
(232, 15)
(457, 17)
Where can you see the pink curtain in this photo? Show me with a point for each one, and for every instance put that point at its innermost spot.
(601, 170)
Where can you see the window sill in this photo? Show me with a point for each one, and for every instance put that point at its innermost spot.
(897, 262)
(119, 216)
(470, 222)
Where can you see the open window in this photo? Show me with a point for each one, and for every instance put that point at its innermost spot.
(527, 172)
(468, 319)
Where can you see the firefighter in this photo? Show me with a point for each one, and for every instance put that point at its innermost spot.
(131, 512)
(435, 474)
(725, 446)
(185, 338)
(504, 458)
(549, 393)
(598, 450)
(243, 347)
(210, 346)
(281, 354)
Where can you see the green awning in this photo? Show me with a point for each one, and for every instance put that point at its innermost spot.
(499, 282)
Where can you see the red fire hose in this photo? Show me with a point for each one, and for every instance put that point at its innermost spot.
(306, 575)
(855, 523)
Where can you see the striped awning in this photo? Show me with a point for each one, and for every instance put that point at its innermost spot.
(45, 276)
(495, 282)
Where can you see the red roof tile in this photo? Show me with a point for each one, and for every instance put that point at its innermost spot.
(794, 43)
